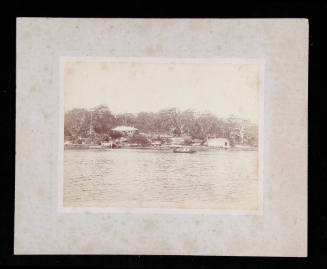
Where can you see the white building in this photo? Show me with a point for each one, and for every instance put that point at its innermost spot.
(125, 130)
(106, 144)
(218, 142)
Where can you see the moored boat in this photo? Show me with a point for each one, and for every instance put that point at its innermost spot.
(184, 150)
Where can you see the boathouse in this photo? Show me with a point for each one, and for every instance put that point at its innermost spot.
(218, 142)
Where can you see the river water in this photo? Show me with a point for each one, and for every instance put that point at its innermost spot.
(139, 178)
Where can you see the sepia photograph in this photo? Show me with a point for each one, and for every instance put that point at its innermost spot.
(161, 137)
(165, 134)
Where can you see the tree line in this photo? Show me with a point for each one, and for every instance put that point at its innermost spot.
(100, 120)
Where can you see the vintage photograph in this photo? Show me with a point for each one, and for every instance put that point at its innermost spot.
(161, 134)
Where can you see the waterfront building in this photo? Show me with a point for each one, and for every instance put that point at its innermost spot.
(125, 130)
(218, 142)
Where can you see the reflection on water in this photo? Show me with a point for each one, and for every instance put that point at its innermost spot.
(155, 179)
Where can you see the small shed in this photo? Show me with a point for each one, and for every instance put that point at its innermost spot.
(106, 144)
(218, 142)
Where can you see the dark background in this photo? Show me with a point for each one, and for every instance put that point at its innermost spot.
(317, 229)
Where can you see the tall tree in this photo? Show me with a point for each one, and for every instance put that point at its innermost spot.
(102, 119)
(77, 122)
(128, 119)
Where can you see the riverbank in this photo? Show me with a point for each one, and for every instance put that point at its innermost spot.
(161, 148)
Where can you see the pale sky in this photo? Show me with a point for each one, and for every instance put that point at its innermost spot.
(220, 88)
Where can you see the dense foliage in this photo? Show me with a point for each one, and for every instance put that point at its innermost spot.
(99, 121)
(139, 139)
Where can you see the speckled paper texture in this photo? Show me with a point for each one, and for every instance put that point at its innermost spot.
(42, 228)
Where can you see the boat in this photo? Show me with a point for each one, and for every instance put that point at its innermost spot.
(184, 150)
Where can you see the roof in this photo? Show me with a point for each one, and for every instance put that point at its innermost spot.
(124, 128)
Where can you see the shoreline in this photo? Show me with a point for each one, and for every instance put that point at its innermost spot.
(158, 148)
